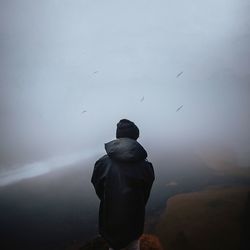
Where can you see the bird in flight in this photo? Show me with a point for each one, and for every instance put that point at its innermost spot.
(142, 99)
(95, 72)
(179, 108)
(179, 74)
(84, 111)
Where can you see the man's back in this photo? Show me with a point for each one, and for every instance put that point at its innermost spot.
(122, 180)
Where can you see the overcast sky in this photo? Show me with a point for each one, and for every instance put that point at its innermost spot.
(120, 59)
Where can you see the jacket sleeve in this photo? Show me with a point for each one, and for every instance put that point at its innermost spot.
(149, 179)
(98, 177)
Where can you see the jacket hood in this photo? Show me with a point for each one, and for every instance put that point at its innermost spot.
(125, 149)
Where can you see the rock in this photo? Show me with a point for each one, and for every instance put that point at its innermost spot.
(147, 242)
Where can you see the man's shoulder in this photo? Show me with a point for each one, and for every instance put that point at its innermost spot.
(148, 163)
(149, 169)
(102, 160)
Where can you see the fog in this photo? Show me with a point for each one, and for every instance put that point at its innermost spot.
(70, 70)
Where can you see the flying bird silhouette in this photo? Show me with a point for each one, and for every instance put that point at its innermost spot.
(179, 74)
(84, 111)
(95, 72)
(142, 99)
(179, 108)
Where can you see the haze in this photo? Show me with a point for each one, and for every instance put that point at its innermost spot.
(70, 70)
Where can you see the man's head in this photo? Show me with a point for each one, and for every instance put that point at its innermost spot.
(126, 128)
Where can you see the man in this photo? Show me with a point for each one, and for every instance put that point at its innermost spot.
(122, 180)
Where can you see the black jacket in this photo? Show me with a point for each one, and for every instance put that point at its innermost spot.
(122, 179)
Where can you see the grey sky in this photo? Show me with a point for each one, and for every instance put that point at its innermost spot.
(59, 58)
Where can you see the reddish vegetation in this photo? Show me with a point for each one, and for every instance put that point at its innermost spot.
(215, 218)
(150, 242)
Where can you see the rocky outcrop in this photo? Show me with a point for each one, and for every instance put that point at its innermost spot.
(147, 242)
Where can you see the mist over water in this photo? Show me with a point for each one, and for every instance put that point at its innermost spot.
(35, 169)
